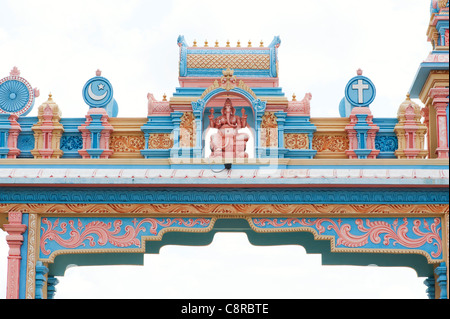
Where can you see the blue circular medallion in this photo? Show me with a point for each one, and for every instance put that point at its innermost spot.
(360, 91)
(16, 95)
(97, 92)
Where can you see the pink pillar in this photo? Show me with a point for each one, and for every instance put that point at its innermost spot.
(15, 229)
(439, 98)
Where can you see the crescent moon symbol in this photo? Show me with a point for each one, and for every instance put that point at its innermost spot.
(95, 97)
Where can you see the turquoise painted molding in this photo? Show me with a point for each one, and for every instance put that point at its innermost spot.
(319, 195)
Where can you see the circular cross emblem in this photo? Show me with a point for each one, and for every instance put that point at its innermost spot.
(16, 95)
(360, 91)
(97, 92)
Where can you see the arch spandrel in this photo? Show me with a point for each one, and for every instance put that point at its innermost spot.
(421, 260)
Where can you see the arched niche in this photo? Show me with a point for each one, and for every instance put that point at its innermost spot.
(242, 98)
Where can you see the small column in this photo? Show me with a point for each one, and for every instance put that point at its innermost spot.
(96, 133)
(15, 229)
(176, 120)
(9, 134)
(441, 272)
(361, 134)
(440, 100)
(41, 279)
(51, 286)
(429, 282)
(281, 119)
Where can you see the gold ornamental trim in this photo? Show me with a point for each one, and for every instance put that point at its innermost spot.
(228, 210)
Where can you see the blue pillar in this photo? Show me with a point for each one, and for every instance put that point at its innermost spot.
(176, 120)
(281, 119)
(41, 271)
(5, 125)
(429, 282)
(441, 272)
(51, 289)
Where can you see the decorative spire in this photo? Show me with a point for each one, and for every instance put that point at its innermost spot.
(238, 43)
(228, 43)
(217, 44)
(98, 72)
(359, 72)
(294, 97)
(249, 44)
(206, 43)
(195, 43)
(261, 44)
(164, 97)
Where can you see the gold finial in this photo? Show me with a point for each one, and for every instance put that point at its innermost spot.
(294, 97)
(238, 43)
(217, 44)
(249, 44)
(206, 43)
(407, 96)
(164, 97)
(261, 44)
(228, 43)
(195, 43)
(50, 96)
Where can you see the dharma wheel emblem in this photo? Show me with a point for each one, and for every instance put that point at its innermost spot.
(16, 94)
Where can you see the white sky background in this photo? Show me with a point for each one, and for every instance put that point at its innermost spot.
(58, 46)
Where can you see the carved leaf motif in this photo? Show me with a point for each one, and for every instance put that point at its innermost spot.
(187, 130)
(296, 141)
(330, 143)
(160, 141)
(127, 143)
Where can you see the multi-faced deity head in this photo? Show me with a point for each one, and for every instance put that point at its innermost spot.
(228, 107)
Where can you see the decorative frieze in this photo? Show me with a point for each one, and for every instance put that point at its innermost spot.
(188, 129)
(376, 235)
(330, 143)
(296, 141)
(269, 130)
(127, 143)
(160, 141)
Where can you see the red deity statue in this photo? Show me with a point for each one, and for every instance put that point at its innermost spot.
(228, 142)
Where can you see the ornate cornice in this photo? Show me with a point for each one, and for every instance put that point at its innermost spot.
(227, 210)
(212, 195)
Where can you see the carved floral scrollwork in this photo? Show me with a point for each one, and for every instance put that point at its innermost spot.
(330, 143)
(296, 141)
(386, 143)
(187, 130)
(371, 234)
(71, 142)
(269, 130)
(160, 141)
(86, 233)
(121, 144)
